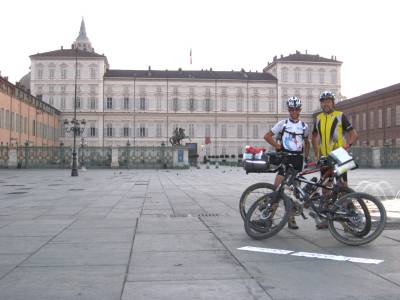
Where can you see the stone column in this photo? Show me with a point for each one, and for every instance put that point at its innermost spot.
(376, 157)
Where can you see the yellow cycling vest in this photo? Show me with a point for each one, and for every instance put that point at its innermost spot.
(330, 130)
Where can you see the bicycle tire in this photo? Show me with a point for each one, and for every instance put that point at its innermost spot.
(244, 198)
(255, 230)
(342, 209)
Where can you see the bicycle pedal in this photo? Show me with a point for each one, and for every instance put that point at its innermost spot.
(312, 214)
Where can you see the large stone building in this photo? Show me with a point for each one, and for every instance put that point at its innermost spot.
(25, 119)
(227, 108)
(376, 116)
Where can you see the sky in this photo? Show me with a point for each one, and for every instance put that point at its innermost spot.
(223, 34)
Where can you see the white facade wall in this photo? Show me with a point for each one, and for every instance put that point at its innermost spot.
(305, 80)
(232, 105)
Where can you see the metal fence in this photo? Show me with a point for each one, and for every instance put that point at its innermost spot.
(149, 157)
(91, 157)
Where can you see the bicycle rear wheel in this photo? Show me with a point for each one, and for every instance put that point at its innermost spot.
(252, 194)
(267, 216)
(357, 219)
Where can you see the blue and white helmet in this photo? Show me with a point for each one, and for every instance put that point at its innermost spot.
(294, 102)
(327, 95)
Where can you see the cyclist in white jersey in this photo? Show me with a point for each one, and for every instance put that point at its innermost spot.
(291, 135)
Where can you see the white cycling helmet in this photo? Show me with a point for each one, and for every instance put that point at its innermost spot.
(294, 102)
(327, 95)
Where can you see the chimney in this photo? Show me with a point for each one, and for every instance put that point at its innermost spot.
(210, 69)
(275, 58)
(62, 48)
(297, 52)
(281, 55)
(306, 51)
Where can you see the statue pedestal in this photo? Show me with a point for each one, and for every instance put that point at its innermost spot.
(180, 157)
(114, 158)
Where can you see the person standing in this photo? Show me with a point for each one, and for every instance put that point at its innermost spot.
(291, 137)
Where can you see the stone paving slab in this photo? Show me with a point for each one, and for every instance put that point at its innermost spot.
(187, 265)
(236, 289)
(49, 283)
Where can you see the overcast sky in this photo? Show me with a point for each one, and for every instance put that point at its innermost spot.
(223, 34)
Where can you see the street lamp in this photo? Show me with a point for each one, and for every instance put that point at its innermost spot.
(77, 127)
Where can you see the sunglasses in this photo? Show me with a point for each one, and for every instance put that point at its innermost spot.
(294, 109)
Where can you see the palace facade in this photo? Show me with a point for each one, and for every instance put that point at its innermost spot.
(221, 111)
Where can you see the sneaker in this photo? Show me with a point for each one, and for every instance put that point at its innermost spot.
(292, 223)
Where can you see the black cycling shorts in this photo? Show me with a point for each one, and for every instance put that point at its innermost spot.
(295, 160)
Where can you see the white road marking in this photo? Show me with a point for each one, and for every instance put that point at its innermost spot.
(314, 255)
(266, 250)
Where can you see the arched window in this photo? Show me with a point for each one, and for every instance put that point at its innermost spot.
(284, 75)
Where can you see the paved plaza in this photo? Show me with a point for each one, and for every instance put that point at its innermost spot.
(176, 234)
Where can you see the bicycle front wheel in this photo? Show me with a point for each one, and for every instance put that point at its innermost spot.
(252, 194)
(352, 214)
(267, 216)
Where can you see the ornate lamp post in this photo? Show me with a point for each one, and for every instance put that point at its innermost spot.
(77, 127)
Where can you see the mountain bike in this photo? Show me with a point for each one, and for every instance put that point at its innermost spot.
(353, 219)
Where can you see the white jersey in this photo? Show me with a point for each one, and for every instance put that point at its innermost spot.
(291, 134)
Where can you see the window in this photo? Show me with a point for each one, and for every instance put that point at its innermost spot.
(92, 103)
(224, 103)
(78, 73)
(109, 130)
(78, 102)
(357, 121)
(51, 74)
(207, 130)
(309, 106)
(256, 105)
(142, 103)
(126, 131)
(371, 119)
(191, 130)
(158, 130)
(270, 105)
(255, 131)
(333, 76)
(40, 74)
(364, 121)
(126, 103)
(380, 117)
(309, 75)
(285, 92)
(93, 73)
(175, 104)
(92, 131)
(158, 99)
(2, 118)
(62, 105)
(223, 130)
(51, 101)
(239, 130)
(34, 127)
(62, 88)
(51, 88)
(239, 103)
(207, 104)
(297, 74)
(191, 104)
(109, 103)
(63, 73)
(142, 130)
(284, 75)
(388, 116)
(321, 76)
(398, 115)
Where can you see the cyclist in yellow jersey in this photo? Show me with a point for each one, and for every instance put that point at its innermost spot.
(329, 131)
